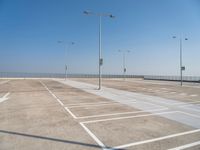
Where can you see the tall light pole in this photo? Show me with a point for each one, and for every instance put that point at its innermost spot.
(67, 45)
(124, 61)
(100, 15)
(182, 68)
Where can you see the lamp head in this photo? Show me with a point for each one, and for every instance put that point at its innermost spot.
(111, 16)
(87, 12)
(173, 37)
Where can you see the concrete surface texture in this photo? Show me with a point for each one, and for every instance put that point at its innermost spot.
(72, 115)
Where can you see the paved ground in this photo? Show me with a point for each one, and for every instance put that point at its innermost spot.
(171, 90)
(71, 115)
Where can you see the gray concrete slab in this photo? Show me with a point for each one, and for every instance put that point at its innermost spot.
(173, 91)
(159, 103)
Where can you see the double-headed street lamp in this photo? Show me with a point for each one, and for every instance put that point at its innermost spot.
(124, 61)
(182, 68)
(100, 15)
(67, 46)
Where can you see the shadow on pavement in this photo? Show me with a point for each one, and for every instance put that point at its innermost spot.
(54, 139)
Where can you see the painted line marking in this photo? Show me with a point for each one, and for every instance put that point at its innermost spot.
(70, 113)
(93, 136)
(186, 146)
(52, 93)
(128, 117)
(5, 97)
(135, 143)
(95, 105)
(164, 88)
(193, 95)
(157, 139)
(113, 114)
(183, 94)
(172, 92)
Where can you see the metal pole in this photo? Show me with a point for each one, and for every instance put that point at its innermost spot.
(181, 73)
(66, 47)
(124, 65)
(100, 59)
(65, 71)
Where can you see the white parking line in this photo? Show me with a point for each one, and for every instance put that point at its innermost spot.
(193, 95)
(135, 143)
(93, 136)
(164, 88)
(70, 113)
(183, 94)
(157, 139)
(172, 92)
(113, 114)
(52, 93)
(121, 96)
(138, 116)
(95, 105)
(186, 146)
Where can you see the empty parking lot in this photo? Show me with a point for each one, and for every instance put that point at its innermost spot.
(73, 114)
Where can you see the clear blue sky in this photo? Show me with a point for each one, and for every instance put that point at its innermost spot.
(30, 29)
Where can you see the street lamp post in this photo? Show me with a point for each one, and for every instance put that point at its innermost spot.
(100, 15)
(124, 62)
(67, 45)
(182, 68)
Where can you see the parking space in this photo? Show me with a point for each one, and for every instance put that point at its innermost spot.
(172, 143)
(130, 131)
(101, 110)
(47, 114)
(32, 119)
(69, 96)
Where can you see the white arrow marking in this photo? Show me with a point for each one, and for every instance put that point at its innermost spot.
(4, 97)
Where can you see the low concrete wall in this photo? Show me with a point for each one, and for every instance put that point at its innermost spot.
(172, 78)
